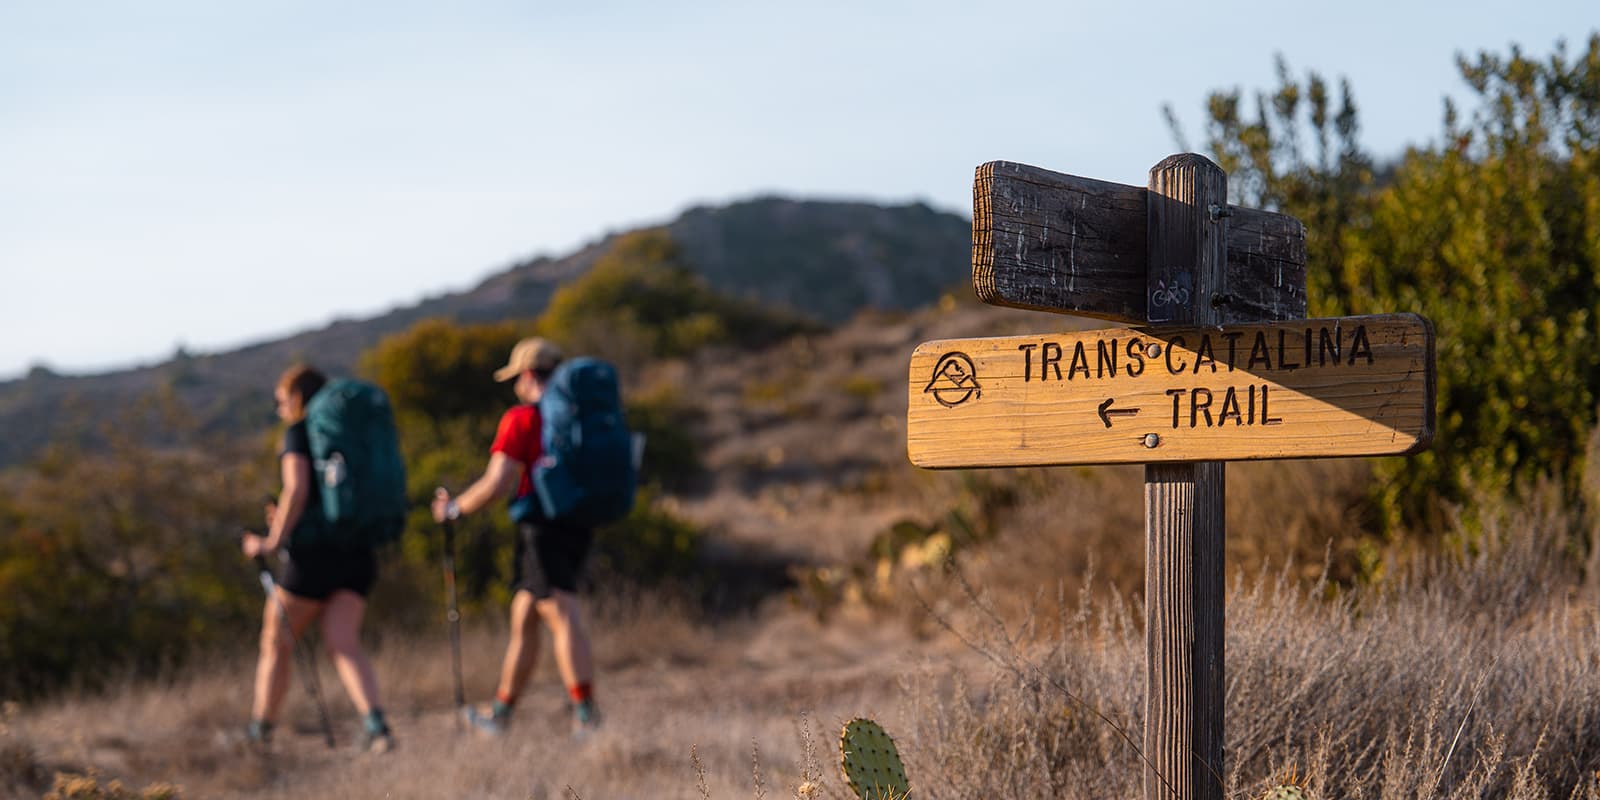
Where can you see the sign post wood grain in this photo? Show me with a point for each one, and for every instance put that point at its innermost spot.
(1183, 572)
(1202, 386)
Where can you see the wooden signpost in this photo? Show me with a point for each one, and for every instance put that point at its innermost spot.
(1222, 366)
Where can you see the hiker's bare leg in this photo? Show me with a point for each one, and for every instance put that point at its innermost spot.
(277, 650)
(564, 614)
(522, 652)
(341, 632)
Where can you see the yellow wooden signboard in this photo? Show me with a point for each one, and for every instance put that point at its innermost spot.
(1347, 386)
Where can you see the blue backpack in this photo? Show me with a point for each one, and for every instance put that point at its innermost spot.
(356, 464)
(586, 476)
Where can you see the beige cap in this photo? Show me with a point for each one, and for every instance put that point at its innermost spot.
(532, 353)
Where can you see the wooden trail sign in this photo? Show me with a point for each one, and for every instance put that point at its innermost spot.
(1212, 384)
(1349, 386)
(1048, 241)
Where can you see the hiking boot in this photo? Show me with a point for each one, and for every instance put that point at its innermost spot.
(375, 735)
(486, 724)
(258, 735)
(585, 719)
(376, 742)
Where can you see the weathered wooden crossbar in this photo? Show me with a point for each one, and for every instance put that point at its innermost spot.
(1048, 241)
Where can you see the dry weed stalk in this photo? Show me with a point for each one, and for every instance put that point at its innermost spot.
(699, 772)
(755, 769)
(810, 773)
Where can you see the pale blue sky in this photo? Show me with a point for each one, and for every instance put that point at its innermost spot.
(213, 174)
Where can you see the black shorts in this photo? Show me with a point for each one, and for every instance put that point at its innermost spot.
(550, 556)
(316, 574)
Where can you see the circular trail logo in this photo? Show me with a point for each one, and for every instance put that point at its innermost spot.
(955, 380)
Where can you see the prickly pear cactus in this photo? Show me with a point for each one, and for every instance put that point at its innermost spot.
(871, 762)
(1288, 792)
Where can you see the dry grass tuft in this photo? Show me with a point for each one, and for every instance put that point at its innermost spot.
(20, 769)
(666, 682)
(1467, 676)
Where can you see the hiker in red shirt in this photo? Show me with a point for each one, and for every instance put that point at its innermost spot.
(550, 556)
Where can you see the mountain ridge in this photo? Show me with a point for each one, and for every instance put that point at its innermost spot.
(825, 259)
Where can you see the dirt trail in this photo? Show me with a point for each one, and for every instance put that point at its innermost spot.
(736, 697)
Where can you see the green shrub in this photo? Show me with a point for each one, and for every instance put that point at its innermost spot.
(108, 557)
(1493, 234)
(649, 547)
(642, 301)
(862, 387)
(671, 456)
(440, 370)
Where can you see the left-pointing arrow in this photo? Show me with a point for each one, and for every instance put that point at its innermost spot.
(1107, 412)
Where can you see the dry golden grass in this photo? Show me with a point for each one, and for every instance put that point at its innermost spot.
(1090, 520)
(1460, 677)
(1471, 677)
(666, 685)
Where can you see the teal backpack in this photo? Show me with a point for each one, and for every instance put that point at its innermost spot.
(586, 476)
(356, 464)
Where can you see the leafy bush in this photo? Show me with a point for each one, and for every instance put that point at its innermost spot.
(641, 301)
(650, 546)
(1493, 234)
(865, 388)
(440, 370)
(671, 455)
(106, 555)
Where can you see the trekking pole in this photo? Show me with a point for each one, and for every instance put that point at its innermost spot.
(452, 615)
(308, 661)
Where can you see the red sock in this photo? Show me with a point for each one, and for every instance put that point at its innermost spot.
(581, 693)
(507, 700)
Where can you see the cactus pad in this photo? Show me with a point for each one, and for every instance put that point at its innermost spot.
(871, 762)
(1286, 792)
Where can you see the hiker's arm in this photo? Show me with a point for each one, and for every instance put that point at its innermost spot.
(292, 500)
(296, 469)
(498, 480)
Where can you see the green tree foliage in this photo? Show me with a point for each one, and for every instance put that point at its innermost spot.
(1493, 234)
(441, 371)
(651, 546)
(671, 456)
(1300, 154)
(109, 556)
(641, 301)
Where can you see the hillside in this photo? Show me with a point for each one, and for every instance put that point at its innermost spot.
(823, 259)
(1477, 657)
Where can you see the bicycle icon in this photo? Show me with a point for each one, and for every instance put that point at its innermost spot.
(1164, 296)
